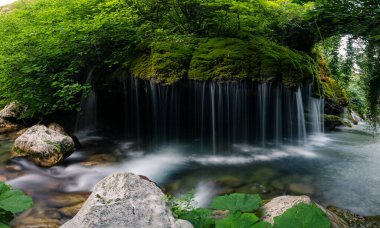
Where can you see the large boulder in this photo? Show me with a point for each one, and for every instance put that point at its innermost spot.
(12, 110)
(43, 146)
(125, 200)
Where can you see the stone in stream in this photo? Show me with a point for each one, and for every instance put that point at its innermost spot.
(12, 110)
(125, 200)
(43, 146)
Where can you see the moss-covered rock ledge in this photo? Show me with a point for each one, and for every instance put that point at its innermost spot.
(221, 59)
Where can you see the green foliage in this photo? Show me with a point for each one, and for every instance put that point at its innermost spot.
(48, 46)
(241, 220)
(243, 212)
(181, 205)
(199, 217)
(302, 216)
(11, 202)
(237, 202)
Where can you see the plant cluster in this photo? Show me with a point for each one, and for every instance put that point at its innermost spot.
(244, 212)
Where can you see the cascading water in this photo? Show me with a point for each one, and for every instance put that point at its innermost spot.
(87, 117)
(219, 115)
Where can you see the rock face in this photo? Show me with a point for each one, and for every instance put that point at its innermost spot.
(279, 205)
(13, 110)
(125, 200)
(45, 147)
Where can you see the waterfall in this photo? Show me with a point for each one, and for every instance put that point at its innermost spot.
(316, 110)
(87, 118)
(215, 115)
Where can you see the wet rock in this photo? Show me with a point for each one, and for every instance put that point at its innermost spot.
(71, 211)
(299, 188)
(43, 146)
(32, 221)
(263, 175)
(102, 158)
(58, 128)
(279, 205)
(229, 181)
(7, 126)
(67, 199)
(93, 163)
(335, 220)
(15, 168)
(12, 110)
(354, 220)
(125, 200)
(276, 184)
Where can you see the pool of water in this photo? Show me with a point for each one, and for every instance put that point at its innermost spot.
(338, 168)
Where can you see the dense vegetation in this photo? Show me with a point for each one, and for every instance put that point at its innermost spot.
(243, 211)
(49, 46)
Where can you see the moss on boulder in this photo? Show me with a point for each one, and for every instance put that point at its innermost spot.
(332, 121)
(163, 62)
(221, 59)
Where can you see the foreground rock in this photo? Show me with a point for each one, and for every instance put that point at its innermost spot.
(125, 200)
(43, 146)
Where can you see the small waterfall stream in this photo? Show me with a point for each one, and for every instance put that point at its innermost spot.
(87, 118)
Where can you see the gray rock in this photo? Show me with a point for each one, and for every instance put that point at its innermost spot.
(43, 146)
(125, 200)
(279, 205)
(56, 127)
(12, 110)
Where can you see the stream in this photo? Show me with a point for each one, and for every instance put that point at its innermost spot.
(339, 168)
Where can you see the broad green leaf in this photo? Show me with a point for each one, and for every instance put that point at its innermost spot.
(239, 220)
(302, 216)
(14, 201)
(237, 202)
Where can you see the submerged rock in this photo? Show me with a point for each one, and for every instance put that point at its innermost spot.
(300, 188)
(43, 146)
(125, 200)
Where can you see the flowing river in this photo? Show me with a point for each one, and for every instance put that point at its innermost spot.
(339, 168)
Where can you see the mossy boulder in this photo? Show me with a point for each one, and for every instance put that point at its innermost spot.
(335, 97)
(332, 121)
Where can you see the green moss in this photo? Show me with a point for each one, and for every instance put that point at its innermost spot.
(221, 59)
(162, 62)
(258, 59)
(332, 121)
(334, 93)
